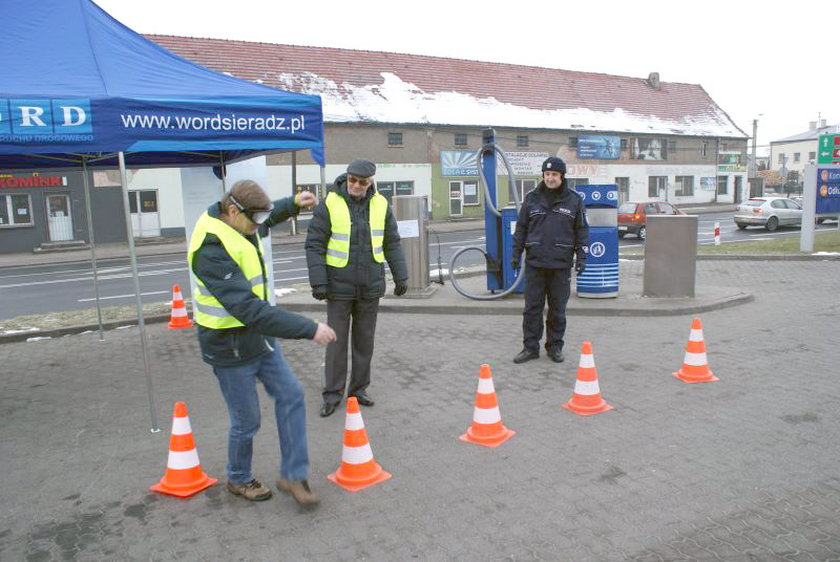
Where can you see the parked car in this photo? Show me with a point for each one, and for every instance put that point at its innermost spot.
(769, 212)
(632, 216)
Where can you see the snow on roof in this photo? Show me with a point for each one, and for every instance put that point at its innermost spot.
(812, 134)
(379, 87)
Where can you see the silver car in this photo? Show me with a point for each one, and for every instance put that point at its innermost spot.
(769, 212)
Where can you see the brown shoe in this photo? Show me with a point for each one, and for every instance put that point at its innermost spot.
(299, 490)
(253, 491)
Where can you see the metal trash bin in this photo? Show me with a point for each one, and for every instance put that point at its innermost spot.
(412, 221)
(670, 256)
(600, 278)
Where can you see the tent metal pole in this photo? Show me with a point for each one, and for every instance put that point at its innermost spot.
(323, 193)
(144, 340)
(293, 222)
(86, 183)
(223, 173)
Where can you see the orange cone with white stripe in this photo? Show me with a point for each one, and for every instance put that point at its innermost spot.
(695, 367)
(586, 399)
(184, 476)
(358, 470)
(179, 318)
(487, 428)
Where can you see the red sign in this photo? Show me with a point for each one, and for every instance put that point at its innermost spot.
(32, 181)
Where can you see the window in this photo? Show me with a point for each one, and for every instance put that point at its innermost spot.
(15, 210)
(657, 185)
(460, 139)
(797, 156)
(522, 141)
(623, 189)
(672, 147)
(722, 185)
(391, 188)
(623, 144)
(723, 147)
(395, 139)
(782, 159)
(523, 187)
(573, 182)
(667, 209)
(470, 193)
(811, 157)
(684, 186)
(572, 142)
(704, 150)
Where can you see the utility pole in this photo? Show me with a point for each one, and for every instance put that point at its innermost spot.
(751, 180)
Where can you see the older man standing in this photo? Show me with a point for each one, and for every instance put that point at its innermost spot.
(351, 234)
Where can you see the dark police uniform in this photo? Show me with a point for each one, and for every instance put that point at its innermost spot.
(552, 229)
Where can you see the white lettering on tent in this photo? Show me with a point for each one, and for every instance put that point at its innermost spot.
(30, 114)
(69, 112)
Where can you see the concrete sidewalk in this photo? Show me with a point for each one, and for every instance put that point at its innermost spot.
(736, 470)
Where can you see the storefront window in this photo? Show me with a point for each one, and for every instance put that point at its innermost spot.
(15, 210)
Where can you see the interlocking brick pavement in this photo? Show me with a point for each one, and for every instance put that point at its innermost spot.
(742, 469)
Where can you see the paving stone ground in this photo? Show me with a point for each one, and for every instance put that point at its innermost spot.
(742, 469)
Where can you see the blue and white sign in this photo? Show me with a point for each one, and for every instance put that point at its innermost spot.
(458, 163)
(598, 195)
(828, 190)
(597, 147)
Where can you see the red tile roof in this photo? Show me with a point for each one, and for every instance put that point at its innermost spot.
(537, 88)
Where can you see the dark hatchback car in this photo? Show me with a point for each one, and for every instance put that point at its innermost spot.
(632, 216)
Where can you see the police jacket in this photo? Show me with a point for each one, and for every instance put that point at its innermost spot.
(363, 277)
(551, 229)
(222, 276)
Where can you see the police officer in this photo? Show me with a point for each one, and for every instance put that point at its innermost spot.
(351, 234)
(552, 229)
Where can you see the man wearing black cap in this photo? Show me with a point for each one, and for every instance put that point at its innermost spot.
(552, 229)
(351, 234)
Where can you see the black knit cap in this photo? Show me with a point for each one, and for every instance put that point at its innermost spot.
(361, 168)
(554, 164)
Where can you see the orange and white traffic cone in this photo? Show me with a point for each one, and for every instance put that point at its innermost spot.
(358, 470)
(586, 399)
(695, 367)
(184, 476)
(179, 318)
(487, 428)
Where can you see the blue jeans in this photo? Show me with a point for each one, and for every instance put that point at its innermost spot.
(239, 388)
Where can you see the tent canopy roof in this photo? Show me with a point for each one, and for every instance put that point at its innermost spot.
(77, 82)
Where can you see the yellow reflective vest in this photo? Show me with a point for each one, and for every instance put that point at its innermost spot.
(338, 246)
(208, 311)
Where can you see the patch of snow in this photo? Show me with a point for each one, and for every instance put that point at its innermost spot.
(38, 338)
(10, 332)
(397, 101)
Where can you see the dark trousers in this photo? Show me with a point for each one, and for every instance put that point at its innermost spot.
(541, 286)
(354, 322)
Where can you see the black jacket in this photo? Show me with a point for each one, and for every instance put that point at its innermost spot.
(225, 281)
(362, 278)
(551, 233)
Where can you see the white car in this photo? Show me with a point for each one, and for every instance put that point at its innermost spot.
(769, 212)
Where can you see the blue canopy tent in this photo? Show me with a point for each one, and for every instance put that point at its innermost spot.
(81, 89)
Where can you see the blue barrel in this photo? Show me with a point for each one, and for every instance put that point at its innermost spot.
(600, 278)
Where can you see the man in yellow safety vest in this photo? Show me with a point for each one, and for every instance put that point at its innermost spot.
(236, 330)
(351, 234)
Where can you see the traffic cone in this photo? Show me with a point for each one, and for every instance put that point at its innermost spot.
(487, 428)
(179, 318)
(586, 399)
(184, 476)
(695, 367)
(358, 470)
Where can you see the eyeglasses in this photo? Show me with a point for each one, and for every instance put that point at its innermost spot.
(257, 216)
(363, 182)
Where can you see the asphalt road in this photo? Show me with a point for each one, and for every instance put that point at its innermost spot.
(69, 286)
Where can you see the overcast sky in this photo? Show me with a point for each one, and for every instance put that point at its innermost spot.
(756, 60)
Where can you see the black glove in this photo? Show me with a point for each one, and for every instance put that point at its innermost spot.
(514, 263)
(580, 265)
(319, 292)
(400, 287)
